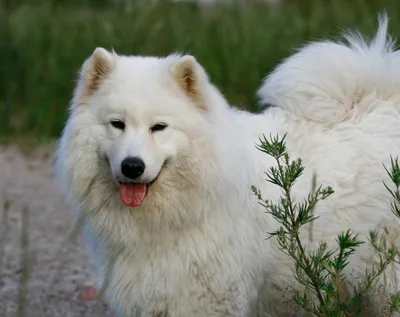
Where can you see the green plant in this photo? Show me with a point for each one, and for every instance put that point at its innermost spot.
(320, 271)
(24, 264)
(237, 44)
(394, 174)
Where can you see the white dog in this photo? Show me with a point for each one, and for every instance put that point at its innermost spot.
(162, 168)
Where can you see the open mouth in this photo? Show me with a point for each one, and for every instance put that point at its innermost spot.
(133, 194)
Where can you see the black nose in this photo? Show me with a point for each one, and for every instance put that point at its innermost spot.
(132, 167)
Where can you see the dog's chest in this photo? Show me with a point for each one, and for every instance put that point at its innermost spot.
(150, 285)
(169, 280)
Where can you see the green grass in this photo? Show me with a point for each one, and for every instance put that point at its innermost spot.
(42, 47)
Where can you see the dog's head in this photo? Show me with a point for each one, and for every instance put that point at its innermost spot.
(142, 126)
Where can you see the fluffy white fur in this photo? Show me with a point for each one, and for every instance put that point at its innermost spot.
(196, 246)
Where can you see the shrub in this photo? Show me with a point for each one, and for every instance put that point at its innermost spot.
(321, 272)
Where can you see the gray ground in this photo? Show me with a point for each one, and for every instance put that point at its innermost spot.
(57, 269)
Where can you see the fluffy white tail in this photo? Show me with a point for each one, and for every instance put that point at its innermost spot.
(329, 82)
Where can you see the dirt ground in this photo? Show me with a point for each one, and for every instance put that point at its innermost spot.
(35, 249)
(54, 270)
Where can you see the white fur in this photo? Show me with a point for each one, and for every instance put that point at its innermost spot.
(196, 246)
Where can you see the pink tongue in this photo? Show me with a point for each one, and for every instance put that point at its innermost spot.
(133, 194)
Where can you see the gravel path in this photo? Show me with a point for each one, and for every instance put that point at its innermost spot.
(54, 269)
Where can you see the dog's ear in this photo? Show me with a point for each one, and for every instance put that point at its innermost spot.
(191, 77)
(93, 72)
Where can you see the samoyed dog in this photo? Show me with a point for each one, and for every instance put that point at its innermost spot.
(162, 167)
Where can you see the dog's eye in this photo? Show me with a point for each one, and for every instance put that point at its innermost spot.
(118, 124)
(158, 127)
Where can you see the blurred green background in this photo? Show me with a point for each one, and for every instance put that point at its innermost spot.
(43, 44)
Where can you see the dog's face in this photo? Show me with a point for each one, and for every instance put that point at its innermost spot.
(138, 144)
(144, 116)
